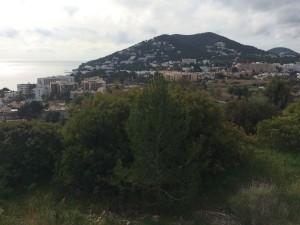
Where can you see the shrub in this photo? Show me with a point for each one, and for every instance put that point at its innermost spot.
(282, 132)
(259, 204)
(95, 138)
(29, 152)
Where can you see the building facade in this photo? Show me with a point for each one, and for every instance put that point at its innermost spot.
(94, 84)
(47, 80)
(23, 88)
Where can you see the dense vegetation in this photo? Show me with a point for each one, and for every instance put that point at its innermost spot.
(168, 150)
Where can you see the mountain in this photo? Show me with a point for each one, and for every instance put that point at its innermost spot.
(169, 51)
(284, 52)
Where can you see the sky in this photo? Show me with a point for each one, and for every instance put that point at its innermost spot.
(89, 29)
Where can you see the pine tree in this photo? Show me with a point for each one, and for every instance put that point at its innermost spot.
(158, 130)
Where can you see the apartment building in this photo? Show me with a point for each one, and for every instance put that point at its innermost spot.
(62, 86)
(47, 80)
(94, 84)
(23, 88)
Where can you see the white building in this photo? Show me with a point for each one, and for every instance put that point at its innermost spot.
(94, 84)
(40, 91)
(291, 67)
(188, 61)
(45, 81)
(220, 44)
(23, 88)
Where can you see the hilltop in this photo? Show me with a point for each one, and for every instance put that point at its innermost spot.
(281, 51)
(173, 51)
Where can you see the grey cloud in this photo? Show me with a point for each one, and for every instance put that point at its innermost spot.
(149, 30)
(9, 33)
(44, 32)
(65, 34)
(288, 17)
(120, 37)
(85, 34)
(292, 32)
(71, 10)
(259, 5)
(134, 3)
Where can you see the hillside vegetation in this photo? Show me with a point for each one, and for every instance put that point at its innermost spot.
(165, 154)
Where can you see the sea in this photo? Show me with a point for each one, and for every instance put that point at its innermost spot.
(13, 72)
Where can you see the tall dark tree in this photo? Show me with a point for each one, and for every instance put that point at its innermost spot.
(278, 92)
(157, 128)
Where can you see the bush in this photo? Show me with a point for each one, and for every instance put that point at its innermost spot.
(29, 152)
(95, 139)
(259, 204)
(282, 132)
(4, 190)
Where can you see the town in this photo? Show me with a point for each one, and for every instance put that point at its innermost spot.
(66, 88)
(47, 89)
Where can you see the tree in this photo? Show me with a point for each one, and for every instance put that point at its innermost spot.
(95, 138)
(248, 113)
(221, 142)
(163, 167)
(30, 110)
(29, 152)
(168, 151)
(52, 117)
(278, 93)
(282, 132)
(3, 91)
(239, 91)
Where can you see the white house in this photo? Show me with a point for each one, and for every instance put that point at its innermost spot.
(40, 91)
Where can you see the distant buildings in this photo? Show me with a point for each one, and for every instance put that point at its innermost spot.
(23, 88)
(197, 76)
(257, 67)
(188, 61)
(47, 80)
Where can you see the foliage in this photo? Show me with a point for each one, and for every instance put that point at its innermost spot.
(239, 91)
(278, 92)
(259, 204)
(30, 110)
(157, 129)
(4, 189)
(179, 138)
(282, 132)
(52, 117)
(94, 138)
(248, 113)
(222, 143)
(28, 152)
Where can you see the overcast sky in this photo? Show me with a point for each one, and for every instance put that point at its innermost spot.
(89, 29)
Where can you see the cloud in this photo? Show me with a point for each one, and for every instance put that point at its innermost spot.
(120, 37)
(71, 10)
(149, 30)
(9, 33)
(111, 25)
(134, 4)
(44, 32)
